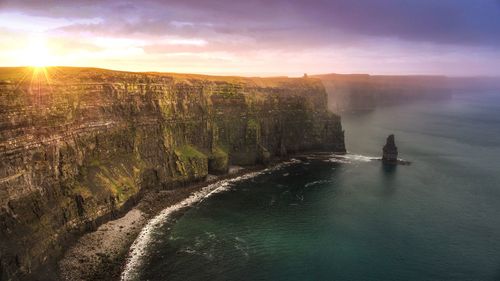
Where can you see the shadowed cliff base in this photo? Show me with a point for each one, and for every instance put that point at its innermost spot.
(80, 145)
(101, 254)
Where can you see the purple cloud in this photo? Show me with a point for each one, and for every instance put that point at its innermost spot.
(423, 27)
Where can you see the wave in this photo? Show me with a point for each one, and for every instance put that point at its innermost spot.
(138, 251)
(350, 158)
(316, 183)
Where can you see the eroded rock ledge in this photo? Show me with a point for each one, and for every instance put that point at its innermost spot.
(77, 145)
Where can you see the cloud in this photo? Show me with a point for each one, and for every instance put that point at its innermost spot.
(445, 21)
(311, 30)
(22, 22)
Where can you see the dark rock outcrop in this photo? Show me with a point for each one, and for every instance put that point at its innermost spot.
(79, 144)
(390, 151)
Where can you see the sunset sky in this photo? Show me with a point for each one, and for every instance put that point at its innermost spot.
(278, 37)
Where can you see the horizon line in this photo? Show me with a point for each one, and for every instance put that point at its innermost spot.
(263, 75)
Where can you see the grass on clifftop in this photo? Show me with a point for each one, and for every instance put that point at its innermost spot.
(63, 75)
(186, 152)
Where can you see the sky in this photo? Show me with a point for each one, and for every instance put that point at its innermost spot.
(264, 38)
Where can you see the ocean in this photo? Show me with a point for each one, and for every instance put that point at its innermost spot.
(351, 218)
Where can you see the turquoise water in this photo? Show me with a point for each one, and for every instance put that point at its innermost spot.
(437, 219)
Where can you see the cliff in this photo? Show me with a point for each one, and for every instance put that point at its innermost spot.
(363, 92)
(77, 145)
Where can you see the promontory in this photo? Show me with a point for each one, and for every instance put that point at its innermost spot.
(77, 145)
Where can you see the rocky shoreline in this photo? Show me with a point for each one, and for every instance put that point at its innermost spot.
(101, 254)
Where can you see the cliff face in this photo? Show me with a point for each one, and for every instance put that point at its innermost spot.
(362, 92)
(78, 144)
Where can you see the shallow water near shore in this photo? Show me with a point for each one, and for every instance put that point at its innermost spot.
(351, 218)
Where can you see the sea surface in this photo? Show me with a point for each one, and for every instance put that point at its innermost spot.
(351, 218)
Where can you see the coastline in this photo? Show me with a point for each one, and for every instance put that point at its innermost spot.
(102, 254)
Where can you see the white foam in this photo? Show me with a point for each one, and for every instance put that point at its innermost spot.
(316, 182)
(337, 160)
(350, 158)
(137, 250)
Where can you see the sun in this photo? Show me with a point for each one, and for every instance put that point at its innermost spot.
(37, 53)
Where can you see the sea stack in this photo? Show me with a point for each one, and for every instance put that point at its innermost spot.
(390, 151)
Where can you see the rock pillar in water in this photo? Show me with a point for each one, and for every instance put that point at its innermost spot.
(390, 151)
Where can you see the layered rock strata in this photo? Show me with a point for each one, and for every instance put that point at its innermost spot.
(77, 145)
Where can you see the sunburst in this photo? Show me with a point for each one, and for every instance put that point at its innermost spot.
(37, 53)
(40, 82)
(40, 61)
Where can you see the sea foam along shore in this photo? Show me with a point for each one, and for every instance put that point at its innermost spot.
(101, 254)
(137, 250)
